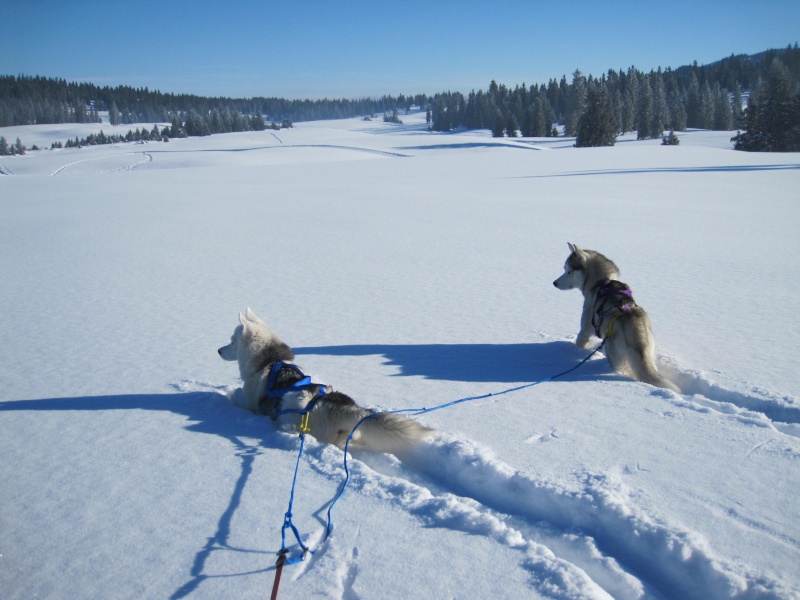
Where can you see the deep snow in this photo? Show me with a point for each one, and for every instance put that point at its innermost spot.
(406, 269)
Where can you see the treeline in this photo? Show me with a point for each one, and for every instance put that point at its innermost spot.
(7, 149)
(643, 102)
(194, 125)
(99, 139)
(595, 110)
(38, 100)
(704, 97)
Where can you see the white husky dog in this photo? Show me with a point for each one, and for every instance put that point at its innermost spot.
(275, 386)
(610, 313)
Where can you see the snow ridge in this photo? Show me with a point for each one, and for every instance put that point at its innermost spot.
(750, 404)
(591, 541)
(595, 529)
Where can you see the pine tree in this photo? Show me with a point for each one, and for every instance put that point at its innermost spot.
(113, 115)
(257, 123)
(540, 123)
(660, 110)
(630, 104)
(723, 116)
(176, 130)
(670, 140)
(528, 126)
(596, 125)
(772, 117)
(511, 125)
(499, 127)
(4, 149)
(693, 109)
(677, 112)
(644, 118)
(707, 106)
(616, 110)
(577, 103)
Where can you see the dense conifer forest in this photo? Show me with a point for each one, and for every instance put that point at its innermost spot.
(596, 110)
(593, 109)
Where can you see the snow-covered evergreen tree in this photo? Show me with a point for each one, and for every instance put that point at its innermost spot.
(596, 125)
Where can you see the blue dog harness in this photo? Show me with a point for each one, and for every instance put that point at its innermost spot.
(276, 394)
(300, 385)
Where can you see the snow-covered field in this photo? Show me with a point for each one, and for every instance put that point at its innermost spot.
(406, 269)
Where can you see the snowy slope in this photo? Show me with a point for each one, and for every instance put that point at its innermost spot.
(407, 269)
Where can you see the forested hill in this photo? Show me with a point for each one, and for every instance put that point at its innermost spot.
(26, 100)
(704, 97)
(685, 96)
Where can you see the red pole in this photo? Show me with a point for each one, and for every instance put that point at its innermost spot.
(278, 571)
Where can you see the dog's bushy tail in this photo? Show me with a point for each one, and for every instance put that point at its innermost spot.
(391, 432)
(642, 360)
(660, 381)
(646, 371)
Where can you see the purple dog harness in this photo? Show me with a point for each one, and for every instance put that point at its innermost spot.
(611, 296)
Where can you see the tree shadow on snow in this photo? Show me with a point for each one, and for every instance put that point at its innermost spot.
(710, 169)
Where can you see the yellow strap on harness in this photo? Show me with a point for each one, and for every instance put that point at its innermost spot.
(304, 427)
(610, 325)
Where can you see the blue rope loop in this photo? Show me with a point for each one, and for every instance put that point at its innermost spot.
(287, 519)
(302, 384)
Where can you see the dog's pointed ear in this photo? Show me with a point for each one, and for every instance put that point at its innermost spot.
(253, 318)
(577, 250)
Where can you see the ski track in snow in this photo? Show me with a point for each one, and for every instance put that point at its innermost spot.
(127, 165)
(289, 146)
(590, 542)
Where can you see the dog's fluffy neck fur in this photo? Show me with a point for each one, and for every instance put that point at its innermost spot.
(266, 349)
(258, 349)
(596, 268)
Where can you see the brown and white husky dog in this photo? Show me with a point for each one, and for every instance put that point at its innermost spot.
(610, 313)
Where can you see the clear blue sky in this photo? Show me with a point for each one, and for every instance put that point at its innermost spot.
(350, 49)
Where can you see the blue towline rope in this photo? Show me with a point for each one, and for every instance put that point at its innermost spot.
(287, 521)
(419, 411)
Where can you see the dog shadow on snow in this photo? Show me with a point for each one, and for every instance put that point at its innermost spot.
(210, 412)
(478, 363)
